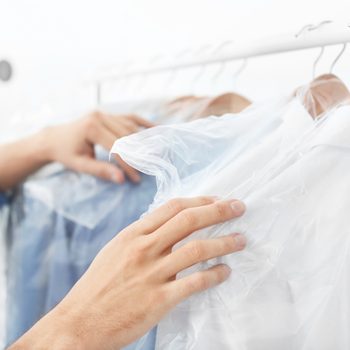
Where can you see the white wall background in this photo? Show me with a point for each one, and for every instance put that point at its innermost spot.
(55, 44)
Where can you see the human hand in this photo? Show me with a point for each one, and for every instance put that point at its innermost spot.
(131, 285)
(72, 144)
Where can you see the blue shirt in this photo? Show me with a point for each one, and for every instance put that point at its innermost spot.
(50, 248)
(3, 199)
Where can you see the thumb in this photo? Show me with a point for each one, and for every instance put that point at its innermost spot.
(101, 169)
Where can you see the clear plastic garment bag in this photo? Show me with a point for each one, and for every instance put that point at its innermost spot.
(61, 219)
(287, 161)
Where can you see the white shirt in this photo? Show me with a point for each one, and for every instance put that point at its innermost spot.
(289, 288)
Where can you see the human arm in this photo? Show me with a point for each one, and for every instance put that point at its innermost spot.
(132, 285)
(71, 144)
(20, 159)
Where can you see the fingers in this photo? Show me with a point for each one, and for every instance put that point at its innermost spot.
(130, 172)
(198, 282)
(100, 135)
(119, 126)
(105, 129)
(130, 124)
(122, 126)
(141, 122)
(105, 137)
(192, 219)
(116, 126)
(103, 170)
(167, 211)
(201, 250)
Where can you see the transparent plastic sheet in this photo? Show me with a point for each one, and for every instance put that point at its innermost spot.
(59, 221)
(66, 191)
(177, 154)
(80, 198)
(289, 289)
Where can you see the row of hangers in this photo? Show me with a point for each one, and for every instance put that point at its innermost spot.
(327, 87)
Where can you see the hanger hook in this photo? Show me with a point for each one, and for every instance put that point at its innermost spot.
(338, 57)
(222, 64)
(321, 24)
(142, 82)
(239, 71)
(316, 62)
(241, 68)
(220, 47)
(99, 83)
(304, 29)
(98, 86)
(218, 72)
(198, 75)
(174, 71)
(198, 52)
(310, 27)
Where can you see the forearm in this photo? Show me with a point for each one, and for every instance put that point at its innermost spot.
(53, 332)
(21, 158)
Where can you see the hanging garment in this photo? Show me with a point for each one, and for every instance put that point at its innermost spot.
(59, 222)
(50, 252)
(210, 138)
(289, 288)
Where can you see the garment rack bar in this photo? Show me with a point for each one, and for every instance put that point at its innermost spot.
(327, 33)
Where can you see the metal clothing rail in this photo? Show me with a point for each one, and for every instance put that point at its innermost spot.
(326, 33)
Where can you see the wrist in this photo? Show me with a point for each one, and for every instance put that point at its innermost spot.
(51, 332)
(43, 146)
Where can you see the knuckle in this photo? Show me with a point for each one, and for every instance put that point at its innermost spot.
(143, 247)
(189, 218)
(78, 165)
(91, 126)
(228, 244)
(133, 128)
(96, 115)
(144, 225)
(133, 117)
(128, 119)
(221, 274)
(199, 282)
(134, 258)
(102, 172)
(137, 255)
(175, 205)
(195, 251)
(222, 210)
(205, 200)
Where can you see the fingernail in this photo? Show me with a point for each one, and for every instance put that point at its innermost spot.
(240, 241)
(137, 178)
(117, 177)
(238, 207)
(227, 271)
(227, 268)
